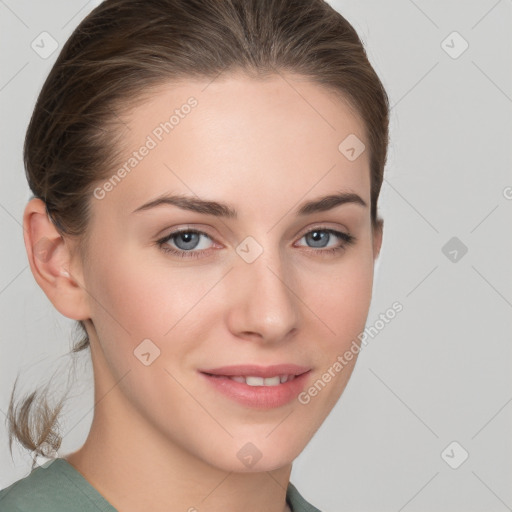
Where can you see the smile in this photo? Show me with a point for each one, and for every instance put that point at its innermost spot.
(258, 386)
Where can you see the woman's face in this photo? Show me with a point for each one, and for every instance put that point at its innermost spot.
(257, 277)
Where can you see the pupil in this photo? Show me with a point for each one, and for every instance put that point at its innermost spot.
(318, 237)
(186, 240)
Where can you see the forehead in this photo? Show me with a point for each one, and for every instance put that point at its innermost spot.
(278, 135)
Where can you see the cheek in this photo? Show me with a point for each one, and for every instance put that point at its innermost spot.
(144, 299)
(341, 304)
(342, 297)
(135, 301)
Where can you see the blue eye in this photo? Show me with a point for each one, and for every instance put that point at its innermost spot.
(184, 240)
(322, 236)
(187, 242)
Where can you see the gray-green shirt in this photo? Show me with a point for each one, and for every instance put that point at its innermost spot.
(58, 487)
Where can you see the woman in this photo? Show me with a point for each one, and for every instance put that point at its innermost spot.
(205, 178)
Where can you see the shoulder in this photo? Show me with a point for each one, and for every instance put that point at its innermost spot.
(52, 487)
(297, 502)
(43, 489)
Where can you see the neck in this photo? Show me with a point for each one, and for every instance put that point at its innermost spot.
(134, 468)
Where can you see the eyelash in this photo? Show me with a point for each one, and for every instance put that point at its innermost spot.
(347, 239)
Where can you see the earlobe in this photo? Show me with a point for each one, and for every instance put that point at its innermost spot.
(49, 258)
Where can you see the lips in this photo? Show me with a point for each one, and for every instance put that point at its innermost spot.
(258, 386)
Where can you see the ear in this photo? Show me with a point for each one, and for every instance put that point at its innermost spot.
(377, 237)
(50, 257)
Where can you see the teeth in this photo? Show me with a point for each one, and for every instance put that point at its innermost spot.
(272, 381)
(255, 381)
(260, 381)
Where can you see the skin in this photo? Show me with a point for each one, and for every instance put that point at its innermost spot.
(160, 434)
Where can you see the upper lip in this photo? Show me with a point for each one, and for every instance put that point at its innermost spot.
(258, 371)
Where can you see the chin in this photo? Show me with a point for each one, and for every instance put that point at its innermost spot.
(261, 454)
(258, 466)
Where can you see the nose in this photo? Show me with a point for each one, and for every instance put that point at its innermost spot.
(264, 306)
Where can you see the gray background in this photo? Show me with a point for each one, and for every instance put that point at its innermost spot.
(440, 371)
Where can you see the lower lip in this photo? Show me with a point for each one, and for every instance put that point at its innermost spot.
(263, 397)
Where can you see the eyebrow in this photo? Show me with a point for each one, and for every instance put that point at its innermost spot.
(218, 209)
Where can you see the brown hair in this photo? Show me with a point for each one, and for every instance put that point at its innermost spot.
(121, 50)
